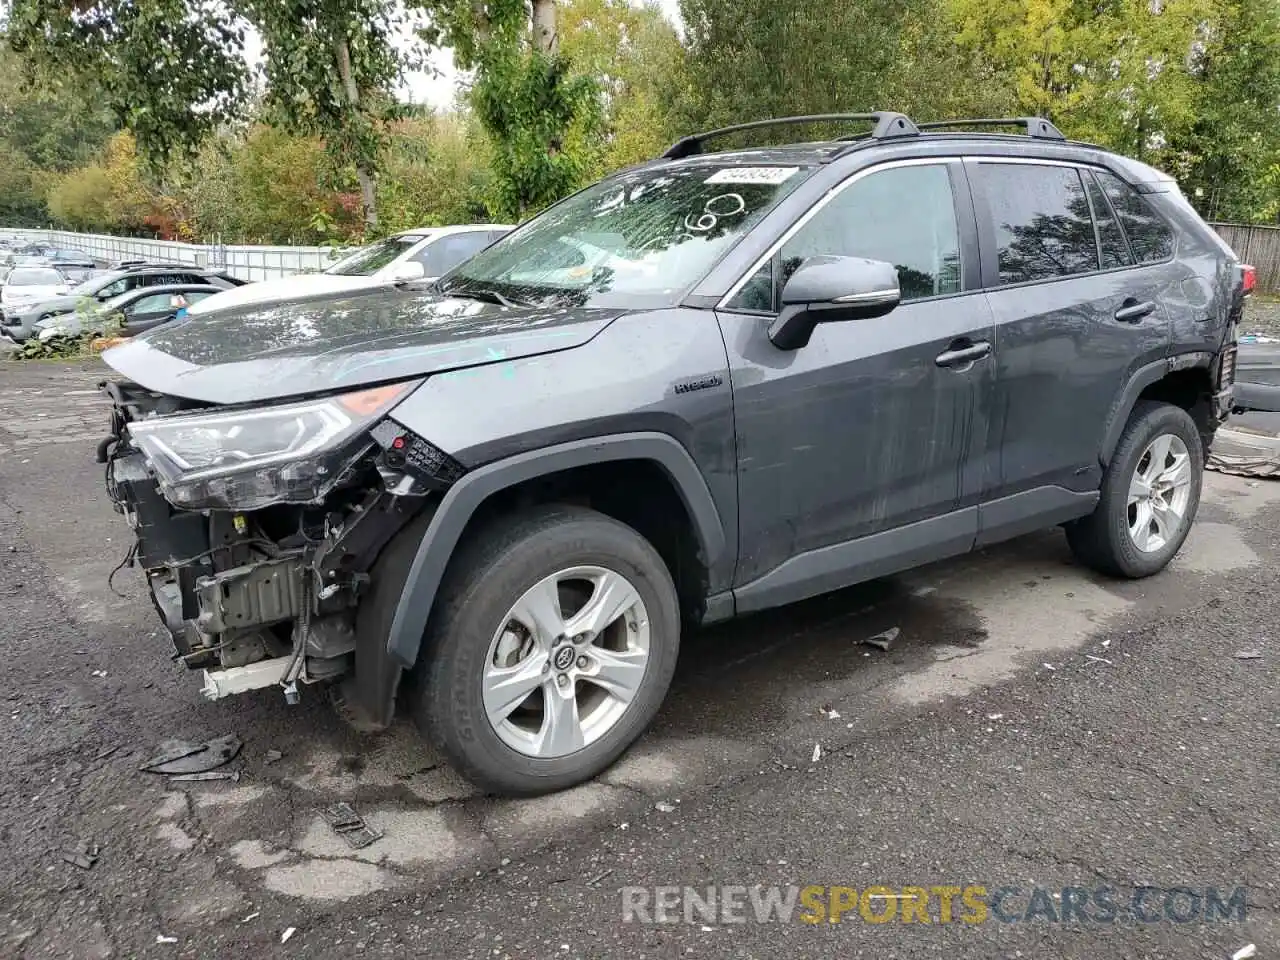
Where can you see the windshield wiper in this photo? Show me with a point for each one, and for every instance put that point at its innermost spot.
(484, 296)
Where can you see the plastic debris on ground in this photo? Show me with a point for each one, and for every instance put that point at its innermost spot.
(1247, 445)
(161, 938)
(83, 854)
(349, 825)
(284, 937)
(184, 756)
(662, 806)
(817, 753)
(830, 712)
(233, 775)
(1245, 952)
(1248, 655)
(881, 641)
(271, 757)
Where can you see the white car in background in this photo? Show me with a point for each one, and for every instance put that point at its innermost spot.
(425, 254)
(24, 286)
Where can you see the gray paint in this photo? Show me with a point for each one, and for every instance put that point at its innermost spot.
(325, 345)
(851, 457)
(464, 497)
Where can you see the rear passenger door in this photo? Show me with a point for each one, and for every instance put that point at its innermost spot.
(1077, 312)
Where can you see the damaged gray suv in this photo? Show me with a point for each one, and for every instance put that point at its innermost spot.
(708, 385)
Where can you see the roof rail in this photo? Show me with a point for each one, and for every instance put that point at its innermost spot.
(1037, 127)
(887, 124)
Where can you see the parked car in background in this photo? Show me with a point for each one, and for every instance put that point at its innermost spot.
(413, 255)
(136, 312)
(19, 324)
(27, 285)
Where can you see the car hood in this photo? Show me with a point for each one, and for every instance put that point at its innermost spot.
(313, 346)
(55, 304)
(27, 294)
(284, 288)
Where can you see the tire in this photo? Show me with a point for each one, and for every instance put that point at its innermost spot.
(1103, 539)
(475, 616)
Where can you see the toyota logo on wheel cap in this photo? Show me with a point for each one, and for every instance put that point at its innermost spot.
(564, 658)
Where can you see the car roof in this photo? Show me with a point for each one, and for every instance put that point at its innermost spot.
(421, 233)
(167, 288)
(896, 133)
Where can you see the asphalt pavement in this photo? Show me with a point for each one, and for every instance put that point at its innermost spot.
(1064, 766)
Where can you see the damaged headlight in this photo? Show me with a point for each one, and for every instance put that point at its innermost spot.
(249, 459)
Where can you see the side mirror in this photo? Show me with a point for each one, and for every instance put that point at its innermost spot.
(824, 289)
(407, 272)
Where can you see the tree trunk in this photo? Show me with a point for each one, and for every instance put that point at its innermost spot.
(368, 196)
(545, 38)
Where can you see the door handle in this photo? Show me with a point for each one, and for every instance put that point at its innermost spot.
(962, 353)
(1131, 311)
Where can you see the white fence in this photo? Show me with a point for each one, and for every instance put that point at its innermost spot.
(245, 262)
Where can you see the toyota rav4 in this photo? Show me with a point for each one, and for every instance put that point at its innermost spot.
(711, 384)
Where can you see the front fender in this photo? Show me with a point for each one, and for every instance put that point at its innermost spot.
(462, 500)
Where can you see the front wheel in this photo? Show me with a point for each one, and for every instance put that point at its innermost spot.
(552, 645)
(1150, 495)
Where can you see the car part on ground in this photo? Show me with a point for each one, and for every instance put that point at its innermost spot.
(700, 388)
(1258, 374)
(1248, 445)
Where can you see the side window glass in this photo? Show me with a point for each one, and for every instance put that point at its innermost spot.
(1042, 222)
(1115, 251)
(113, 289)
(903, 215)
(1150, 236)
(756, 296)
(443, 255)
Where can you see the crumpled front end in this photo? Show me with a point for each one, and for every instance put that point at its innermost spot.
(257, 527)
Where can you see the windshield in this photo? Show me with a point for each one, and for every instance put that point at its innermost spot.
(637, 239)
(33, 277)
(367, 261)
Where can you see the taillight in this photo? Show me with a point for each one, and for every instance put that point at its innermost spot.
(1250, 278)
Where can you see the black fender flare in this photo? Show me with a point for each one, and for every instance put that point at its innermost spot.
(1142, 378)
(466, 495)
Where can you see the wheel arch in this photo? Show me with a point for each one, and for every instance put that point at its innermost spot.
(467, 497)
(1184, 381)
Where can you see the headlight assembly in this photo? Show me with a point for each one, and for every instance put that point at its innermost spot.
(249, 459)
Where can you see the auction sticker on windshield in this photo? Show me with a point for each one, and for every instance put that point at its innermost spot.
(771, 175)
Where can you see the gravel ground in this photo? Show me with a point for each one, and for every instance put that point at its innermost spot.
(1033, 725)
(1262, 316)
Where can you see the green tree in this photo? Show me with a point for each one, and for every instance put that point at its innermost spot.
(750, 61)
(331, 67)
(264, 186)
(54, 125)
(527, 95)
(436, 172)
(637, 60)
(170, 70)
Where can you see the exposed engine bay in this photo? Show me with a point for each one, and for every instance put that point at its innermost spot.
(257, 528)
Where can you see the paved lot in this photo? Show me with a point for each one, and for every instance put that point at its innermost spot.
(1033, 724)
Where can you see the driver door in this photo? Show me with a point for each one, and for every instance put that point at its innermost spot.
(859, 453)
(151, 311)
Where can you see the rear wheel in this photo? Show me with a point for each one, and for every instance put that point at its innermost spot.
(1150, 495)
(551, 648)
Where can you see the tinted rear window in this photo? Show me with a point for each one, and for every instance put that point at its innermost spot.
(1149, 236)
(1042, 221)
